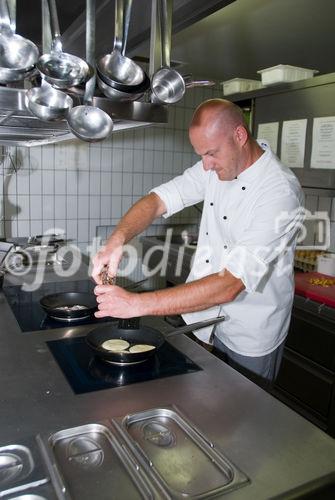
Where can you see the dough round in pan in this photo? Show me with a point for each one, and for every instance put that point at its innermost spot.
(141, 348)
(115, 345)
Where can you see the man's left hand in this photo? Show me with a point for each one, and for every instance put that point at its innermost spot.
(114, 301)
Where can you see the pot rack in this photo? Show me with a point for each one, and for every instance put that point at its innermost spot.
(19, 127)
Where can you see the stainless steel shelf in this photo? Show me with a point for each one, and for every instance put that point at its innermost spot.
(18, 127)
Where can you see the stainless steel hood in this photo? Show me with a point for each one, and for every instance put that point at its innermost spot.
(18, 127)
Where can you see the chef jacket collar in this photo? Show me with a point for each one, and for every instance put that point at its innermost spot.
(250, 173)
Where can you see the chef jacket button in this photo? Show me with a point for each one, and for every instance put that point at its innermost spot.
(224, 217)
(243, 188)
(207, 261)
(206, 233)
(211, 203)
(225, 246)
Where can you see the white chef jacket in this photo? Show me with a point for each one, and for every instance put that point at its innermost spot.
(249, 226)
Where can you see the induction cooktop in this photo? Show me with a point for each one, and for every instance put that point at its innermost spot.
(29, 313)
(87, 373)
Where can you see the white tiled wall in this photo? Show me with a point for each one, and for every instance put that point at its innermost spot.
(79, 187)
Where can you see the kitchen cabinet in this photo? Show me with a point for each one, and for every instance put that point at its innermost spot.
(306, 380)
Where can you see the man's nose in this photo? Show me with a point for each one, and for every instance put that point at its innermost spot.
(207, 163)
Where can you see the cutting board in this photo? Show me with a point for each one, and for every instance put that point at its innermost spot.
(324, 295)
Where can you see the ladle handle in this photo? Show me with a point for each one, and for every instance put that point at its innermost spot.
(125, 25)
(90, 50)
(122, 21)
(57, 42)
(4, 15)
(195, 326)
(46, 28)
(165, 17)
(12, 14)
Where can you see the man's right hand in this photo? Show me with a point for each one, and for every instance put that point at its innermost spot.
(108, 256)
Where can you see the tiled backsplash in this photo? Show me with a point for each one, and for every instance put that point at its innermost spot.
(78, 187)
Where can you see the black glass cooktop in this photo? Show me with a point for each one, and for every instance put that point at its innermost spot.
(29, 313)
(87, 373)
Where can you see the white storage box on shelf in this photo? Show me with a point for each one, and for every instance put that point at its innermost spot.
(285, 73)
(238, 85)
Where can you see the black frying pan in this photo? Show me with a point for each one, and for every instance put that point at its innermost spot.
(51, 303)
(140, 335)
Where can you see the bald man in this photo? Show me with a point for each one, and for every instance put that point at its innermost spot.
(243, 265)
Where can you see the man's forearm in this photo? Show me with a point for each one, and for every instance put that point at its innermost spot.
(189, 297)
(138, 218)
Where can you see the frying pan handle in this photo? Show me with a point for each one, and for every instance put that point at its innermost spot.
(196, 326)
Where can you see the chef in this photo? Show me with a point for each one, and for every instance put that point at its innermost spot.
(243, 266)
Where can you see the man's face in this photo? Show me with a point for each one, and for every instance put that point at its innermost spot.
(218, 151)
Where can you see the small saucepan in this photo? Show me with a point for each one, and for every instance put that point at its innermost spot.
(143, 335)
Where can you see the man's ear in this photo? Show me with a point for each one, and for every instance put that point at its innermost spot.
(241, 135)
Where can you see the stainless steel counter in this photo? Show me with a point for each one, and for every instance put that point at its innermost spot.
(276, 448)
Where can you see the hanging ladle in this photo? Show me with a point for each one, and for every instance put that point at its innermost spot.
(116, 68)
(60, 69)
(124, 66)
(17, 54)
(88, 122)
(45, 102)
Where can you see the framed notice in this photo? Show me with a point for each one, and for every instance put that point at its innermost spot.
(293, 140)
(323, 145)
(269, 132)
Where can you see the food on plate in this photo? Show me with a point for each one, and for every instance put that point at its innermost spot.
(141, 348)
(115, 345)
(75, 307)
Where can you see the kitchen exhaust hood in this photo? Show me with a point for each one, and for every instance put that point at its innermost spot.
(19, 127)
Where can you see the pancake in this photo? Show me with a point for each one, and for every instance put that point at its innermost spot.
(141, 348)
(115, 345)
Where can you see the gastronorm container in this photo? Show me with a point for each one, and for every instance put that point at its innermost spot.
(179, 458)
(42, 492)
(88, 462)
(21, 467)
(237, 85)
(285, 73)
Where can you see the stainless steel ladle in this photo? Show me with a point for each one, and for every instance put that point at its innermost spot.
(116, 67)
(60, 69)
(45, 102)
(88, 122)
(18, 55)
